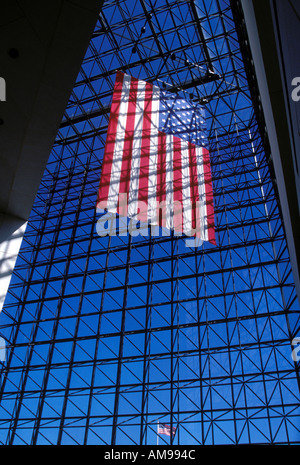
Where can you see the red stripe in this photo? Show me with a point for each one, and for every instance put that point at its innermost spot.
(177, 184)
(209, 197)
(110, 142)
(127, 150)
(161, 173)
(194, 189)
(145, 153)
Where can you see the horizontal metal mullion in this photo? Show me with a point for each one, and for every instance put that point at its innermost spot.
(137, 285)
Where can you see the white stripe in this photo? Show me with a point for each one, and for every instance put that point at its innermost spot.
(186, 188)
(202, 212)
(113, 193)
(136, 151)
(169, 181)
(152, 184)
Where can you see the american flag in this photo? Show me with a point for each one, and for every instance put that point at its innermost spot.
(156, 167)
(166, 429)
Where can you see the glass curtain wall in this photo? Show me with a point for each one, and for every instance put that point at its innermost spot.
(108, 337)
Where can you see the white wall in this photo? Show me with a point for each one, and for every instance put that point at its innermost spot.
(12, 231)
(41, 49)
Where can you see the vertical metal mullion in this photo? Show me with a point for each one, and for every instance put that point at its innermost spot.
(12, 429)
(143, 428)
(70, 370)
(97, 344)
(197, 255)
(178, 345)
(174, 331)
(237, 318)
(264, 286)
(120, 355)
(56, 320)
(236, 309)
(26, 287)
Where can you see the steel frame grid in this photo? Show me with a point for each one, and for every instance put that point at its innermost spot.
(107, 337)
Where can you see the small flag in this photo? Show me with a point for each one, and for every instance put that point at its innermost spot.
(156, 167)
(166, 429)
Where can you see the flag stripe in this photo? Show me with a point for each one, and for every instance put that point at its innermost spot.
(202, 194)
(194, 189)
(161, 176)
(186, 192)
(110, 141)
(136, 151)
(113, 193)
(128, 144)
(209, 197)
(177, 185)
(153, 160)
(169, 181)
